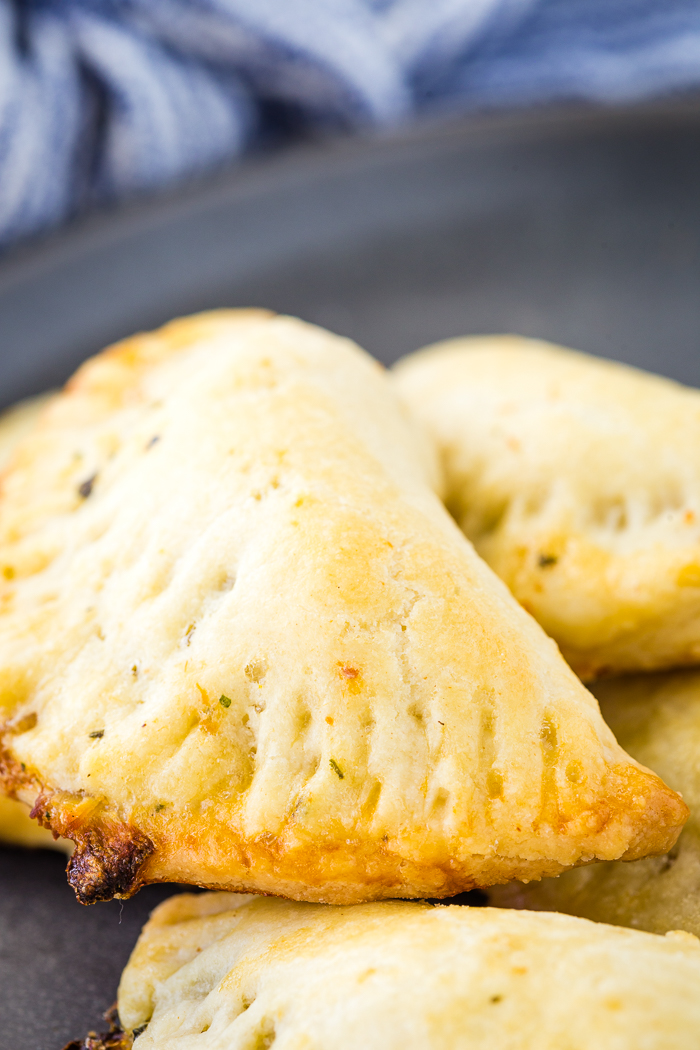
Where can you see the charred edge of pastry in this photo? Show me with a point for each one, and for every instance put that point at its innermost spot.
(115, 1039)
(107, 863)
(109, 853)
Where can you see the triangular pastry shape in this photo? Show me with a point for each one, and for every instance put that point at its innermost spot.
(403, 976)
(657, 718)
(243, 644)
(578, 480)
(16, 826)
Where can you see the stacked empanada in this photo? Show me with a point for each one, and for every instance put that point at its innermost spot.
(230, 973)
(578, 480)
(245, 646)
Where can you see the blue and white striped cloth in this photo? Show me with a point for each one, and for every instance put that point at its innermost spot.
(100, 99)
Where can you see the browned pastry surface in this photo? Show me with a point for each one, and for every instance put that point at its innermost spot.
(244, 645)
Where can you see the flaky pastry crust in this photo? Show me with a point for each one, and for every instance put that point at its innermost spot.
(244, 646)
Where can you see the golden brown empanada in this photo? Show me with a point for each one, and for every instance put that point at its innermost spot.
(16, 826)
(243, 644)
(657, 718)
(227, 973)
(578, 480)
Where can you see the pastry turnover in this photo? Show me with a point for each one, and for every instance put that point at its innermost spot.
(578, 480)
(244, 645)
(657, 717)
(16, 826)
(230, 973)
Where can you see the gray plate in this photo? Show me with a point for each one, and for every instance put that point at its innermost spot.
(581, 227)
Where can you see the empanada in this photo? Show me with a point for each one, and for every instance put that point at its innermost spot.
(16, 826)
(227, 973)
(657, 717)
(244, 645)
(578, 480)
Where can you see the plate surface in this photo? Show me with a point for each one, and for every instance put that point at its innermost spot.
(583, 228)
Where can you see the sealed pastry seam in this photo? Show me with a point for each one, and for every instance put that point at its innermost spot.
(244, 645)
(657, 717)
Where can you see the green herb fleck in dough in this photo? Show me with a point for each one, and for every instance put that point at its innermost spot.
(224, 701)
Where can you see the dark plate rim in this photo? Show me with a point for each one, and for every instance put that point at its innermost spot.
(267, 172)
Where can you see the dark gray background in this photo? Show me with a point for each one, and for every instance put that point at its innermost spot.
(578, 227)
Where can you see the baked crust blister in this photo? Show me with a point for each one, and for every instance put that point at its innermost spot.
(657, 719)
(578, 480)
(229, 973)
(244, 645)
